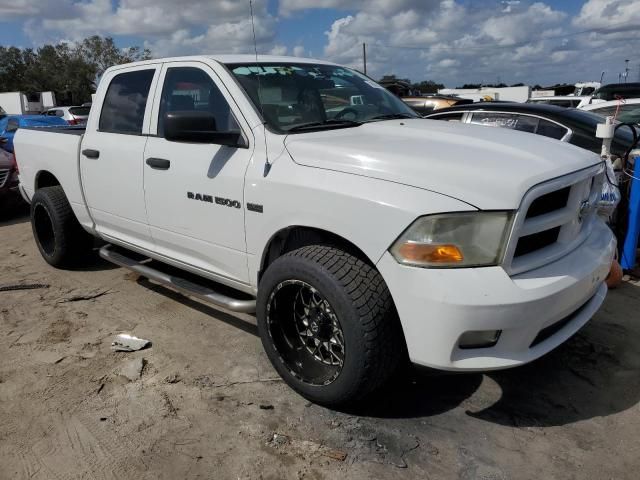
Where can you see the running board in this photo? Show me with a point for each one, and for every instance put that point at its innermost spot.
(183, 285)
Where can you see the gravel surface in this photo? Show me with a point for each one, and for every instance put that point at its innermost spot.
(203, 401)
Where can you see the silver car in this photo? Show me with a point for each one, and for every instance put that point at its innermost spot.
(73, 115)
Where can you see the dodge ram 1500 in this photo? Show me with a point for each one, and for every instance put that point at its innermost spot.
(359, 234)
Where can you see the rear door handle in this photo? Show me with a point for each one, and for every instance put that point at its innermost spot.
(158, 163)
(89, 153)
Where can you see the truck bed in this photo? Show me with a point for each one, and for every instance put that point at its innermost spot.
(70, 130)
(54, 150)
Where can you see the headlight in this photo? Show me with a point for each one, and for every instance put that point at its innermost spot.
(467, 239)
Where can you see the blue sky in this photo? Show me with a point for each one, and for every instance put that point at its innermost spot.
(450, 41)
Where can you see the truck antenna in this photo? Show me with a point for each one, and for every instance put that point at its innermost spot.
(267, 165)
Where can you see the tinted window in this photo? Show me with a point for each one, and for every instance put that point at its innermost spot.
(604, 111)
(12, 125)
(449, 117)
(610, 92)
(125, 102)
(80, 111)
(189, 88)
(629, 114)
(506, 120)
(550, 129)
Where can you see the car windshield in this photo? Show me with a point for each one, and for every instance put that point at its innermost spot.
(297, 97)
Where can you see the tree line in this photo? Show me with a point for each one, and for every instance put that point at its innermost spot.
(71, 70)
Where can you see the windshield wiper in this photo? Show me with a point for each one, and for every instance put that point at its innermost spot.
(325, 124)
(393, 116)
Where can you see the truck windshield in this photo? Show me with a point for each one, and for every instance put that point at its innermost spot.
(297, 97)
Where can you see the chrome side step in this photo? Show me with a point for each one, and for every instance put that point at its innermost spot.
(183, 285)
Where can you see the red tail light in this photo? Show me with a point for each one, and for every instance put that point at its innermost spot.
(73, 121)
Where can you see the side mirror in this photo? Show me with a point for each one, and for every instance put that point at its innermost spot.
(198, 127)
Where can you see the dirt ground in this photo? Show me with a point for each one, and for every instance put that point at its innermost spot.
(203, 401)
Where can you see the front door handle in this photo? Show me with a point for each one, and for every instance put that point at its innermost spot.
(158, 163)
(89, 153)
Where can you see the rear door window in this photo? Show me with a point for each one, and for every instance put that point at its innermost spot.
(512, 121)
(125, 102)
(550, 129)
(448, 117)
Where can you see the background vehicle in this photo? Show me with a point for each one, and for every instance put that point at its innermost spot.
(614, 90)
(560, 101)
(569, 125)
(8, 172)
(421, 104)
(359, 233)
(430, 103)
(627, 111)
(11, 123)
(72, 115)
(22, 103)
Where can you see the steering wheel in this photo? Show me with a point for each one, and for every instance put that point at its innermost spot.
(345, 112)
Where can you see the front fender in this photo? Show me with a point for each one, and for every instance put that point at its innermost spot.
(369, 213)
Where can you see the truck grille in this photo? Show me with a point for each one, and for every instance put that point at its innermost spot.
(553, 219)
(4, 175)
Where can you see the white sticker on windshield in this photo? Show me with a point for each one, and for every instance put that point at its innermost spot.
(373, 84)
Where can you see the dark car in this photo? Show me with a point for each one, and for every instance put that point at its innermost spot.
(8, 173)
(577, 127)
(615, 90)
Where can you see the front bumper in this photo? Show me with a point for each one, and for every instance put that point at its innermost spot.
(437, 306)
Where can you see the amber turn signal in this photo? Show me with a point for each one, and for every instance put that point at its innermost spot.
(425, 253)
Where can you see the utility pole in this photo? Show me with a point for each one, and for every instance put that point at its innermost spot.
(364, 56)
(626, 71)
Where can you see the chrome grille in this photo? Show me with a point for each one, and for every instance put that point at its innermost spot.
(4, 175)
(554, 218)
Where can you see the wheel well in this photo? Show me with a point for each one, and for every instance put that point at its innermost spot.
(291, 238)
(46, 179)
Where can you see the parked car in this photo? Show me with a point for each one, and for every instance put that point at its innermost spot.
(577, 127)
(421, 104)
(627, 111)
(612, 91)
(8, 173)
(72, 115)
(360, 235)
(11, 123)
(561, 101)
(427, 104)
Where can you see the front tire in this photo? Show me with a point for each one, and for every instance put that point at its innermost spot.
(59, 236)
(328, 325)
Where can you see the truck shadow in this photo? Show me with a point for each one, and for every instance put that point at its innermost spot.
(217, 314)
(594, 374)
(13, 210)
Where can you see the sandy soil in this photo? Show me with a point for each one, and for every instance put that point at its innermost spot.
(207, 404)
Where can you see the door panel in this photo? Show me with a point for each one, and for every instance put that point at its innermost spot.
(195, 201)
(113, 179)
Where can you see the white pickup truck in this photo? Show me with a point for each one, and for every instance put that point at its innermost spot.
(360, 234)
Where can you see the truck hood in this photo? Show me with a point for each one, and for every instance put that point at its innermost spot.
(489, 168)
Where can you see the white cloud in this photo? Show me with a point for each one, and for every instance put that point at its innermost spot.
(611, 15)
(168, 27)
(451, 41)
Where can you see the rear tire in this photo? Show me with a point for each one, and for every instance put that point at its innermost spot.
(59, 236)
(328, 325)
